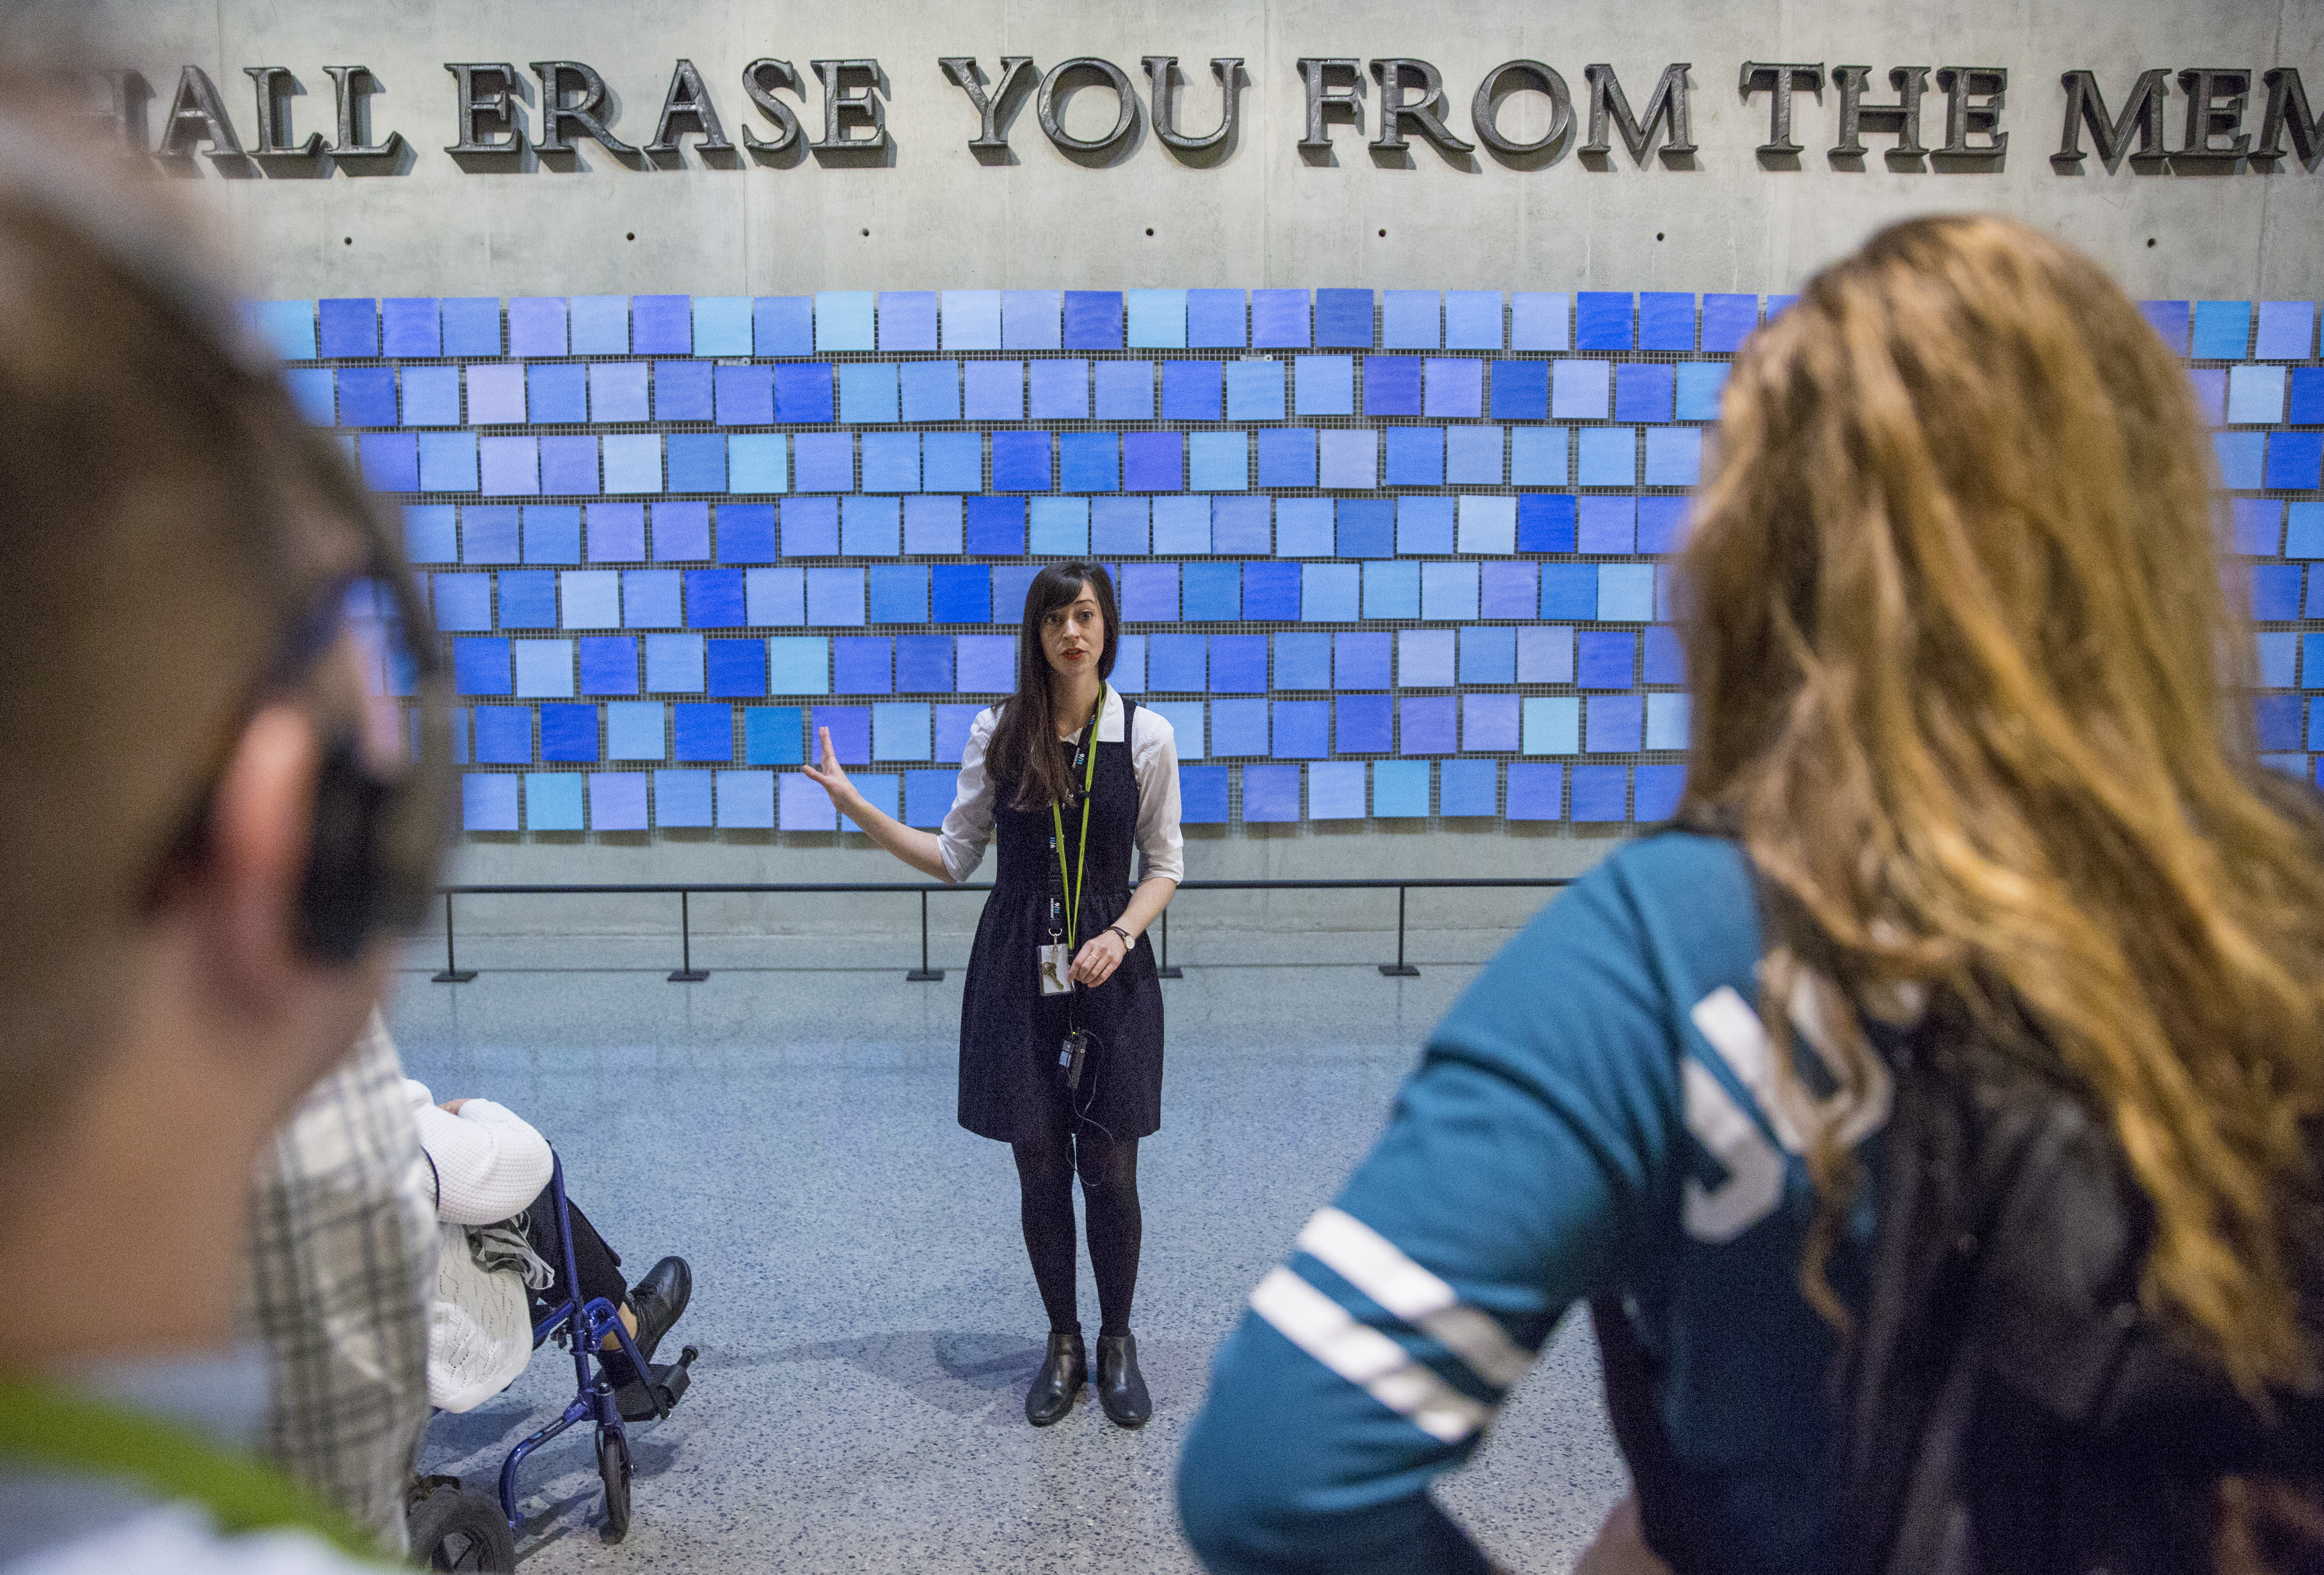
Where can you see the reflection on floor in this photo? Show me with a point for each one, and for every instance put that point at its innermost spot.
(867, 1320)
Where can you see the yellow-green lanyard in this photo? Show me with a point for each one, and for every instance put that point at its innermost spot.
(1057, 819)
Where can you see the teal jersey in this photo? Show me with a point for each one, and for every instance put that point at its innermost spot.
(1597, 1114)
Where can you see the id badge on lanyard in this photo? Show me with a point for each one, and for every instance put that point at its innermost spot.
(1055, 961)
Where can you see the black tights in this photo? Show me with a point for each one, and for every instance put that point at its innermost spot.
(1046, 1164)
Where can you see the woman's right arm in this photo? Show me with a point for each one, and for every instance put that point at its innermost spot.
(919, 849)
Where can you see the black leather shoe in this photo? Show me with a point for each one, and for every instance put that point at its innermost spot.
(658, 1299)
(1120, 1386)
(1059, 1381)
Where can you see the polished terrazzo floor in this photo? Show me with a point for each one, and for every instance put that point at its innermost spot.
(867, 1321)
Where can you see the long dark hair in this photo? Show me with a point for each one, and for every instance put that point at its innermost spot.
(1024, 748)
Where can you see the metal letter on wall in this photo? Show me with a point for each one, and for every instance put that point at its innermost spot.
(491, 120)
(1484, 109)
(1964, 119)
(1228, 69)
(197, 115)
(2085, 106)
(1426, 111)
(2287, 108)
(851, 99)
(1778, 78)
(1901, 119)
(1668, 106)
(1125, 93)
(1326, 99)
(352, 153)
(686, 111)
(761, 78)
(2215, 97)
(586, 116)
(990, 137)
(276, 87)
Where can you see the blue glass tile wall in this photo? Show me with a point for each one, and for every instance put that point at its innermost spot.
(1397, 556)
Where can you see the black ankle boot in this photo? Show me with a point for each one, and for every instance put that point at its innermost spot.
(1121, 1387)
(1059, 1381)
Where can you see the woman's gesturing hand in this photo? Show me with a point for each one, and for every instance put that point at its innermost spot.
(829, 775)
(1100, 956)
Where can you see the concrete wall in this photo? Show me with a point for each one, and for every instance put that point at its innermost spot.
(935, 216)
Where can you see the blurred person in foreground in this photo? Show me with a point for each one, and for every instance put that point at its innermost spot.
(343, 1266)
(1973, 806)
(209, 835)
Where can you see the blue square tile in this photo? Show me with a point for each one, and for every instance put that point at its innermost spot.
(1606, 659)
(1270, 793)
(996, 527)
(772, 735)
(1728, 320)
(1286, 456)
(1537, 790)
(1323, 385)
(609, 665)
(1488, 722)
(1118, 526)
(971, 319)
(600, 325)
(504, 736)
(1520, 391)
(1453, 387)
(1302, 661)
(746, 533)
(1603, 320)
(431, 396)
(1472, 319)
(1657, 793)
(1156, 319)
(2293, 460)
(1391, 590)
(899, 592)
(736, 668)
(1392, 385)
(1093, 320)
(347, 327)
(804, 393)
(1469, 789)
(863, 665)
(536, 325)
(1215, 319)
(1241, 525)
(1021, 462)
(1279, 320)
(1508, 590)
(1192, 390)
(962, 593)
(410, 326)
(1608, 526)
(1343, 318)
(470, 326)
(1546, 522)
(1644, 391)
(1600, 793)
(568, 734)
(1238, 664)
(2222, 329)
(1427, 725)
(2287, 330)
(1302, 729)
(1411, 319)
(1365, 528)
(1254, 391)
(703, 733)
(929, 390)
(1238, 727)
(1665, 320)
(480, 667)
(1032, 319)
(1569, 590)
(810, 527)
(662, 325)
(1540, 320)
(1270, 592)
(2276, 591)
(1212, 593)
(2168, 319)
(1415, 456)
(1177, 663)
(1087, 461)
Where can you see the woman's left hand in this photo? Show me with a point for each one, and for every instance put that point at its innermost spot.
(1100, 956)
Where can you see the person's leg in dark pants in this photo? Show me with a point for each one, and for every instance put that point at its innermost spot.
(1045, 1183)
(1108, 1171)
(598, 1265)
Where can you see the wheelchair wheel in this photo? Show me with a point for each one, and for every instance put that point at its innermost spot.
(613, 1470)
(461, 1528)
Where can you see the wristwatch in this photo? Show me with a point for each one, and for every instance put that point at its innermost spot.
(1126, 938)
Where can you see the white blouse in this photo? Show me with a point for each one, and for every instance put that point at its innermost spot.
(1153, 756)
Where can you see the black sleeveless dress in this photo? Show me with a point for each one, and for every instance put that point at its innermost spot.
(1009, 1032)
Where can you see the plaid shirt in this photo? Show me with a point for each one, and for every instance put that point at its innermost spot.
(343, 1231)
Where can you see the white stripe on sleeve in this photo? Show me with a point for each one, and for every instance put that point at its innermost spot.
(1366, 1357)
(1379, 1268)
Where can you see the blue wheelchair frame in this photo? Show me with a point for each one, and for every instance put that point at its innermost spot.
(581, 1326)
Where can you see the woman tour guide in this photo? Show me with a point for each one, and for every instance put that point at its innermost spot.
(1061, 1023)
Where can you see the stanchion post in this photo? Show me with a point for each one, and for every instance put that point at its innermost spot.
(1399, 969)
(1167, 970)
(923, 974)
(453, 972)
(688, 973)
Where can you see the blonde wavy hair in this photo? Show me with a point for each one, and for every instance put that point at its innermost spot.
(1968, 685)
